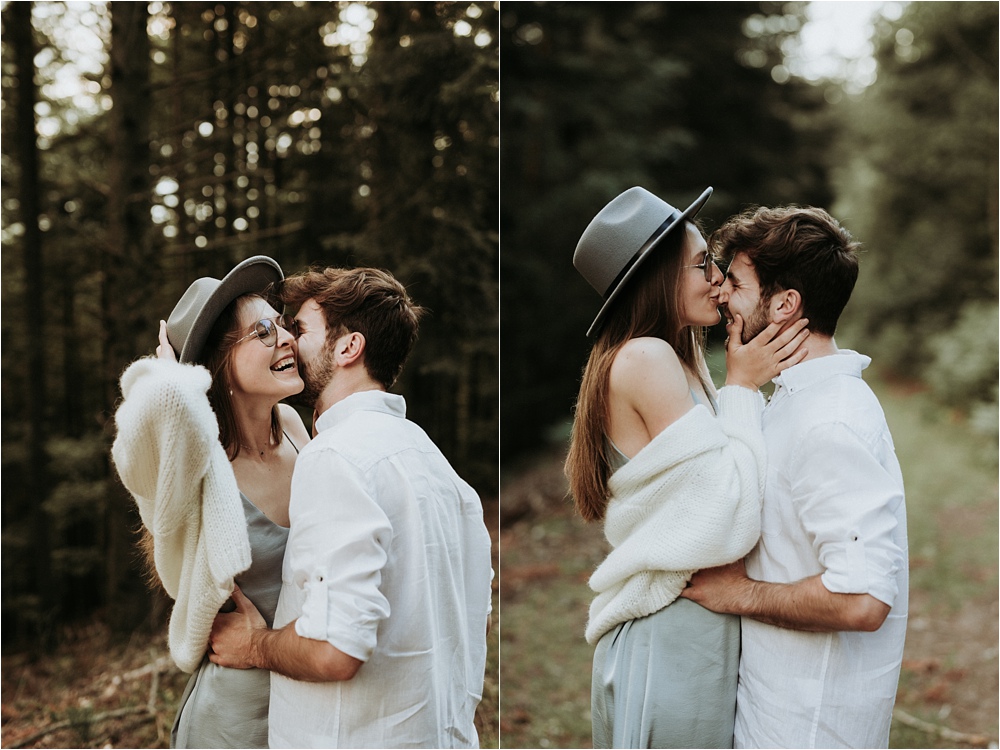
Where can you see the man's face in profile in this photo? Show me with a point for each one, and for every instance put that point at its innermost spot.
(740, 295)
(316, 361)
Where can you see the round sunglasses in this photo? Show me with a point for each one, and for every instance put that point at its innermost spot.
(266, 330)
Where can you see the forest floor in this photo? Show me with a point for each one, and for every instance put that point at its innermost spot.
(948, 689)
(99, 691)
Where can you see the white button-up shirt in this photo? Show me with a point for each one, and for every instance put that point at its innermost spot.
(833, 506)
(388, 559)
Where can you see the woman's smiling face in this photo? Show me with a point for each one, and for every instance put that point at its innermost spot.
(258, 369)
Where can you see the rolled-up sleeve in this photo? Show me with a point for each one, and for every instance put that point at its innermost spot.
(336, 555)
(847, 503)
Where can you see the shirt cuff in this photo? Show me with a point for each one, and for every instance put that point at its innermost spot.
(324, 618)
(853, 569)
(489, 598)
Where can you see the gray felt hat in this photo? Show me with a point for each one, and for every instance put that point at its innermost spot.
(196, 312)
(622, 236)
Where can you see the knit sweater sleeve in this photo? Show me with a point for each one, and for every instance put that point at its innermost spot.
(690, 499)
(168, 455)
(740, 412)
(165, 430)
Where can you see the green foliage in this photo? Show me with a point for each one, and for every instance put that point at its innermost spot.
(916, 181)
(965, 365)
(604, 96)
(432, 165)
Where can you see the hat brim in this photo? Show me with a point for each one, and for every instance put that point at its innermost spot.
(254, 274)
(688, 213)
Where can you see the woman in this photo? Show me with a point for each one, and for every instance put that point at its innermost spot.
(674, 469)
(212, 479)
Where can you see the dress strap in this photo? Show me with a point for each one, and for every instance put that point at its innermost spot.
(290, 441)
(698, 399)
(616, 458)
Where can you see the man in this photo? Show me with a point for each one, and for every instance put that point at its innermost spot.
(379, 637)
(823, 596)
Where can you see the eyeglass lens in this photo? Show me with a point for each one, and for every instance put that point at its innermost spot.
(711, 263)
(289, 324)
(267, 331)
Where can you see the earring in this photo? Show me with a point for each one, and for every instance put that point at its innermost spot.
(230, 392)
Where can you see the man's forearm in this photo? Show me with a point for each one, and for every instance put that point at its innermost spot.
(286, 652)
(808, 605)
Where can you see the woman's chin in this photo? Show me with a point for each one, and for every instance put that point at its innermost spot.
(711, 319)
(292, 386)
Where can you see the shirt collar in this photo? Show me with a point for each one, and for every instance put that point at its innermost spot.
(805, 374)
(378, 401)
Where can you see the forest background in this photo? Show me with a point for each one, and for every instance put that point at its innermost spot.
(192, 135)
(148, 144)
(900, 144)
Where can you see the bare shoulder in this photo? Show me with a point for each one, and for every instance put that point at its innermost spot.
(646, 359)
(648, 375)
(292, 424)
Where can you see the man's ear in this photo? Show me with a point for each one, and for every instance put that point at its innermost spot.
(349, 348)
(786, 306)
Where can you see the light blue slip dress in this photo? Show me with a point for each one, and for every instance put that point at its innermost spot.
(227, 708)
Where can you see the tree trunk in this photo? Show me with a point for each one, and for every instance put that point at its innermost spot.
(228, 97)
(72, 377)
(131, 265)
(36, 489)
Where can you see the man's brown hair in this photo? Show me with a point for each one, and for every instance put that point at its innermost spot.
(794, 247)
(369, 301)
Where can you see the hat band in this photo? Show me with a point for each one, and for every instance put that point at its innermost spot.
(669, 222)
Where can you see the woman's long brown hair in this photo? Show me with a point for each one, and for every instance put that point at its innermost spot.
(217, 358)
(648, 307)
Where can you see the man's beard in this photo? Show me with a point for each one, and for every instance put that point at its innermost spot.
(757, 321)
(315, 376)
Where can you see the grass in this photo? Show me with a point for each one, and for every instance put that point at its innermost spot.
(951, 485)
(545, 576)
(950, 668)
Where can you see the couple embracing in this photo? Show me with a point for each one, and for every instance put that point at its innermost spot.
(755, 592)
(351, 566)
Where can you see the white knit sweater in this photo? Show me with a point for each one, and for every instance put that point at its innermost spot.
(168, 455)
(688, 500)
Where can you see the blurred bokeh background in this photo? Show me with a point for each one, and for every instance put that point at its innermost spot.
(886, 114)
(901, 146)
(147, 144)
